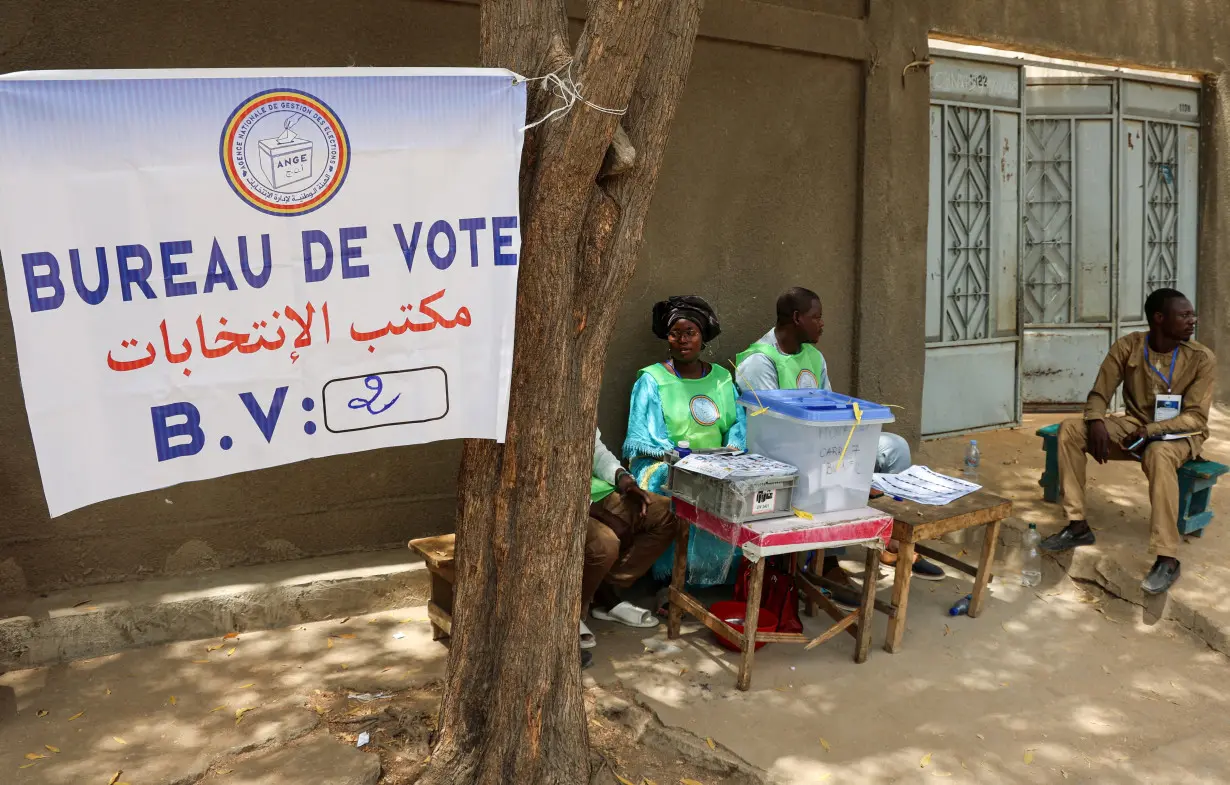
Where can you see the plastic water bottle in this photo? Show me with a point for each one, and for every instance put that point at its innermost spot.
(961, 606)
(972, 459)
(1031, 569)
(684, 449)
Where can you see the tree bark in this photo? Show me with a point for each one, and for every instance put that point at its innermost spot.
(512, 708)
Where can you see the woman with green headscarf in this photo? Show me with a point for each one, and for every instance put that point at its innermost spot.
(684, 399)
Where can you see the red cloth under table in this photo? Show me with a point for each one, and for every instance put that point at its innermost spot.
(860, 526)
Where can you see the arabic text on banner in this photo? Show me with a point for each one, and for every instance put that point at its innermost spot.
(214, 272)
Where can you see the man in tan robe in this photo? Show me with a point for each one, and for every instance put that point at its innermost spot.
(1167, 383)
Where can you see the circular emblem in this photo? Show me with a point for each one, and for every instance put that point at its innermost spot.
(806, 380)
(704, 410)
(284, 152)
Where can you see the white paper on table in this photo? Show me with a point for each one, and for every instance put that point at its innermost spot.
(920, 484)
(721, 467)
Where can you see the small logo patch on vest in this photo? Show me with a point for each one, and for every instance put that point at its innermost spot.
(704, 410)
(806, 380)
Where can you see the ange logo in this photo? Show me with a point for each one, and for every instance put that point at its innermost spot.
(704, 410)
(284, 152)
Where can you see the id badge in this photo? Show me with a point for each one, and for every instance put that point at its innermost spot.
(1167, 407)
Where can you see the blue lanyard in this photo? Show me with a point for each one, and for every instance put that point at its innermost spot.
(1174, 356)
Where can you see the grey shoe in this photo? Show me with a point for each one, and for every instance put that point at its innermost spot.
(1161, 577)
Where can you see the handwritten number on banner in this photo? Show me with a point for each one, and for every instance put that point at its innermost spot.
(376, 385)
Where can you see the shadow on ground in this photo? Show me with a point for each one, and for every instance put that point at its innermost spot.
(1050, 684)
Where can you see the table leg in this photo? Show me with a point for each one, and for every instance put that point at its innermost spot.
(901, 595)
(817, 558)
(749, 624)
(866, 613)
(679, 578)
(990, 538)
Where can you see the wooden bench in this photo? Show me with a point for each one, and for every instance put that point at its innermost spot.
(1196, 480)
(437, 552)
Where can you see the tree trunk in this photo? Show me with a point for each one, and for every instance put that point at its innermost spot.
(512, 709)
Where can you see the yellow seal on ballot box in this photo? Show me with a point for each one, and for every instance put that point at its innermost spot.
(284, 152)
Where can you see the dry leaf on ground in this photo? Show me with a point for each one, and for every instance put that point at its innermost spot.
(1029, 757)
(925, 762)
(77, 716)
(119, 740)
(825, 744)
(115, 777)
(51, 748)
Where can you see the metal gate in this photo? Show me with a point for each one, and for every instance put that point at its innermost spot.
(1109, 216)
(972, 330)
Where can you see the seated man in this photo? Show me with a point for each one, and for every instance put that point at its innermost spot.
(786, 358)
(629, 528)
(1167, 383)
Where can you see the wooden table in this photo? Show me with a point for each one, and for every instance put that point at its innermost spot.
(761, 539)
(915, 523)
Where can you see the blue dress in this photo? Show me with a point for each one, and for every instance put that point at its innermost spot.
(711, 561)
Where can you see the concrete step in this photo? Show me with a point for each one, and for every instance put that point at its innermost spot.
(94, 620)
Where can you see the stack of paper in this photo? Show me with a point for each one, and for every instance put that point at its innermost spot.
(722, 467)
(920, 484)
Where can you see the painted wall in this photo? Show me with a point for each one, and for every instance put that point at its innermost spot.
(799, 157)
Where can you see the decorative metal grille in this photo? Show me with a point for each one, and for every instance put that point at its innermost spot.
(967, 217)
(1161, 206)
(1048, 222)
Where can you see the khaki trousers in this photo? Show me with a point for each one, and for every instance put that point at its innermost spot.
(621, 564)
(1161, 462)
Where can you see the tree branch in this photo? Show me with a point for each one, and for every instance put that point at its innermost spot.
(651, 111)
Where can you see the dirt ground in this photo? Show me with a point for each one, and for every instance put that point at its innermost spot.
(1058, 683)
(399, 727)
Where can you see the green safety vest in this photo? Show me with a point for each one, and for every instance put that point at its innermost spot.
(599, 489)
(804, 370)
(697, 411)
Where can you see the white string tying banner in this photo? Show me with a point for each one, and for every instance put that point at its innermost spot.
(561, 84)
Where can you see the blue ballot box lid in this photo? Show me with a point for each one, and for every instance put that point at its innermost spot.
(819, 407)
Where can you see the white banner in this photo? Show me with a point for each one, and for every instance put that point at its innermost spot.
(216, 271)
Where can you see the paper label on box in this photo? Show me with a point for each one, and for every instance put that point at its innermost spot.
(766, 501)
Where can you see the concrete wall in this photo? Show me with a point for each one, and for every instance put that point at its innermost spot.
(799, 157)
(367, 500)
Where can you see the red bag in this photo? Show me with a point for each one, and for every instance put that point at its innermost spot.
(778, 595)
